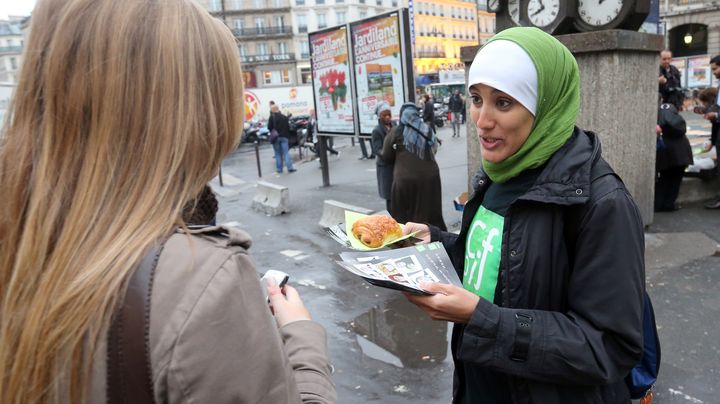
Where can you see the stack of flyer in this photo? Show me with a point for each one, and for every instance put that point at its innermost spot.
(396, 268)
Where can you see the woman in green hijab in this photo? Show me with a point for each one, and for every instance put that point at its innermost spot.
(551, 245)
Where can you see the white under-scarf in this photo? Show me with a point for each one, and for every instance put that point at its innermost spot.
(505, 66)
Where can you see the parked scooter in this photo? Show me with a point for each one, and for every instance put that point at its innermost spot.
(441, 114)
(255, 131)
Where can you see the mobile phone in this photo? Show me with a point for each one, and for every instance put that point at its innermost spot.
(280, 277)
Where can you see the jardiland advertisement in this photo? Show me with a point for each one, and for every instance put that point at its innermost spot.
(378, 67)
(331, 81)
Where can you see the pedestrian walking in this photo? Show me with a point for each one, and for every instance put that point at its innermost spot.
(416, 193)
(428, 111)
(98, 159)
(673, 157)
(364, 150)
(550, 249)
(281, 146)
(456, 106)
(384, 168)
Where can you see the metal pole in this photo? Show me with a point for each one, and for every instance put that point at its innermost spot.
(220, 176)
(322, 145)
(257, 157)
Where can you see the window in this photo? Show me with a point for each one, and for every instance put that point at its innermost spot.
(299, 2)
(243, 50)
(340, 16)
(268, 76)
(259, 24)
(13, 64)
(258, 4)
(261, 48)
(305, 75)
(238, 24)
(394, 3)
(279, 22)
(378, 2)
(319, 2)
(322, 23)
(363, 13)
(215, 5)
(339, 1)
(361, 1)
(302, 23)
(304, 50)
(282, 48)
(285, 76)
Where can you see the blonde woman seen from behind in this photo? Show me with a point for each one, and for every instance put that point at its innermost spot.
(123, 111)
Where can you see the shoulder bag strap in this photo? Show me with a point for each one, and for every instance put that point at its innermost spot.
(129, 375)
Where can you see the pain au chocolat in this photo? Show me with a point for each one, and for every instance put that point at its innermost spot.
(374, 231)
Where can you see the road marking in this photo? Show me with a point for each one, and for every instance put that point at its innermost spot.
(685, 396)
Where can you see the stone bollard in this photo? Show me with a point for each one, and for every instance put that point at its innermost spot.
(334, 212)
(271, 199)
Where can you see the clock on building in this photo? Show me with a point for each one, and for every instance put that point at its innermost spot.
(552, 16)
(567, 16)
(596, 15)
(493, 5)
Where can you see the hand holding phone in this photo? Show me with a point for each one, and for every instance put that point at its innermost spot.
(285, 302)
(279, 277)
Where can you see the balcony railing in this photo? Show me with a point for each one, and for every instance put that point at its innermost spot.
(252, 7)
(275, 57)
(11, 49)
(430, 54)
(685, 5)
(257, 31)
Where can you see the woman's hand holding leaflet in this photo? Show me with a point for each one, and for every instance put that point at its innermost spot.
(449, 302)
(422, 231)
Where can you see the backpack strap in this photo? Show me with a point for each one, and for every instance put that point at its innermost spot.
(129, 375)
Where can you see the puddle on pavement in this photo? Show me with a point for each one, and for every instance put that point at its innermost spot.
(400, 334)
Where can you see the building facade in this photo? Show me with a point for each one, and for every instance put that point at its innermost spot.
(264, 34)
(11, 45)
(442, 27)
(486, 22)
(692, 27)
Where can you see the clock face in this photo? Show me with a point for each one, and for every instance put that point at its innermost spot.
(599, 12)
(544, 12)
(493, 5)
(514, 11)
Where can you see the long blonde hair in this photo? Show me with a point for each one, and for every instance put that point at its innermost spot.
(124, 109)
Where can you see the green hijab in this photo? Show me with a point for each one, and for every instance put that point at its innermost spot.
(558, 102)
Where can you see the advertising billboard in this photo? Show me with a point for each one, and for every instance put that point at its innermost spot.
(698, 71)
(378, 53)
(330, 64)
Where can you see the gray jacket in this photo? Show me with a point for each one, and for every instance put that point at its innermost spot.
(212, 336)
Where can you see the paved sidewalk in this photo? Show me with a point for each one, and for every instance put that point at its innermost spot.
(370, 329)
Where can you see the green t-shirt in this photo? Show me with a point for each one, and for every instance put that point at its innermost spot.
(483, 246)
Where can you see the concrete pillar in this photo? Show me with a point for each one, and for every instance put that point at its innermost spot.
(618, 78)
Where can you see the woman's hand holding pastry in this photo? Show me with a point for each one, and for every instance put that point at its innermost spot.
(449, 302)
(422, 231)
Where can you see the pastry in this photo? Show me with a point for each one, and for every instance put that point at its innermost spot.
(374, 231)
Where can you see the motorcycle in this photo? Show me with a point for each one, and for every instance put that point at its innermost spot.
(255, 131)
(441, 114)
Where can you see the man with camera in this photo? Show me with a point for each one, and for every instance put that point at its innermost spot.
(670, 87)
